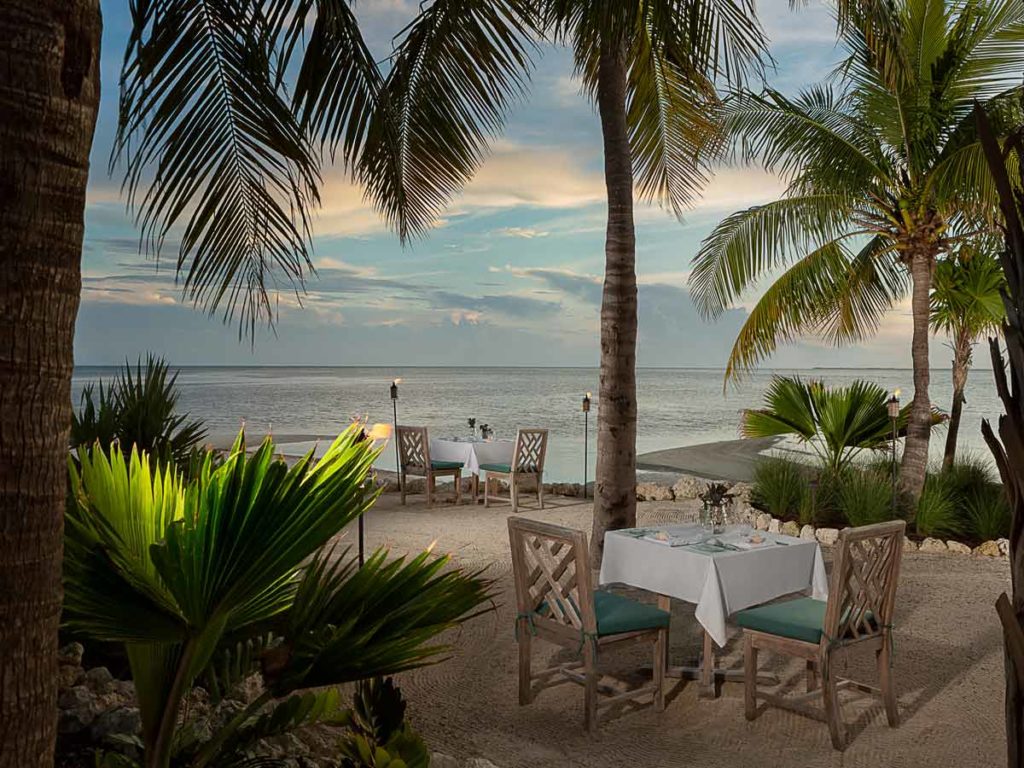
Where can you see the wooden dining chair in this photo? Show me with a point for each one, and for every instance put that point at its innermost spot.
(527, 461)
(555, 602)
(858, 614)
(414, 459)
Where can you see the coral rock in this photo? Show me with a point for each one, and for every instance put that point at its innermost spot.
(909, 545)
(988, 549)
(763, 521)
(933, 546)
(789, 528)
(827, 536)
(653, 492)
(775, 525)
(807, 533)
(958, 548)
(686, 487)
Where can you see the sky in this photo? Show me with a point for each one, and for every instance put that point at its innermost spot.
(510, 276)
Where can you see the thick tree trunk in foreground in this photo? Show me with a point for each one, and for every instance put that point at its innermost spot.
(49, 91)
(919, 427)
(615, 486)
(1008, 448)
(961, 367)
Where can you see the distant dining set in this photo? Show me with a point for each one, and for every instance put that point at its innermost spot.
(735, 575)
(514, 462)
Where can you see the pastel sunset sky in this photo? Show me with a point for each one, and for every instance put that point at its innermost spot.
(510, 276)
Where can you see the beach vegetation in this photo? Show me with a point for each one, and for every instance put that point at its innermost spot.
(190, 575)
(885, 176)
(938, 514)
(836, 423)
(138, 409)
(779, 486)
(865, 497)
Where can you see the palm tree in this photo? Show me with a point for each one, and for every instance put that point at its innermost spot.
(966, 304)
(885, 173)
(650, 67)
(221, 151)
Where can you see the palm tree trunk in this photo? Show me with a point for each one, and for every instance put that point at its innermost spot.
(615, 486)
(919, 427)
(49, 92)
(961, 367)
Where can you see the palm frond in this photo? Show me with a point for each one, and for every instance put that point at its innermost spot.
(213, 153)
(749, 244)
(671, 118)
(337, 82)
(967, 294)
(839, 294)
(453, 76)
(351, 623)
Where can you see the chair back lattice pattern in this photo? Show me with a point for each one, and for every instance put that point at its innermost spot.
(552, 577)
(862, 594)
(413, 447)
(531, 447)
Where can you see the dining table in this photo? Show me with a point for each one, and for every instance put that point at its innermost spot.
(718, 573)
(472, 451)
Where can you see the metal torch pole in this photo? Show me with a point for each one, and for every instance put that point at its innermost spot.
(394, 411)
(586, 440)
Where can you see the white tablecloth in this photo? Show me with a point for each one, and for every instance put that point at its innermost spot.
(472, 453)
(721, 583)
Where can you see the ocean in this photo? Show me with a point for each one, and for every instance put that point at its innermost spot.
(677, 407)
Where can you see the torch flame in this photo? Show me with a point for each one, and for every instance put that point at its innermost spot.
(397, 381)
(380, 432)
(896, 393)
(588, 395)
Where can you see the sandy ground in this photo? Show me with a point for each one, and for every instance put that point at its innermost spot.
(948, 668)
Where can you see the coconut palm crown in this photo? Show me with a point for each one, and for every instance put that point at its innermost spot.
(884, 174)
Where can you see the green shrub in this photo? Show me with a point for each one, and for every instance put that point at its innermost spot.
(937, 511)
(987, 512)
(865, 497)
(139, 409)
(780, 486)
(821, 502)
(969, 473)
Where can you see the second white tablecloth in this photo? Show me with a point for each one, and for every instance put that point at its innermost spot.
(472, 453)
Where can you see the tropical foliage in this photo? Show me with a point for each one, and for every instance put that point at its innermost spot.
(137, 410)
(185, 574)
(966, 303)
(884, 174)
(779, 486)
(837, 423)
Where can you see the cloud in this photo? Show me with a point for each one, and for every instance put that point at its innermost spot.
(532, 176)
(527, 233)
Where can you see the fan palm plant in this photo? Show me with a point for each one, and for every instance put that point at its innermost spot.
(836, 423)
(885, 174)
(966, 303)
(650, 67)
(180, 572)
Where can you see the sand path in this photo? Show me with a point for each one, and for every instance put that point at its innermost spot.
(948, 668)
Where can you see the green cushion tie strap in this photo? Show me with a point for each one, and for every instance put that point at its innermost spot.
(528, 617)
(584, 637)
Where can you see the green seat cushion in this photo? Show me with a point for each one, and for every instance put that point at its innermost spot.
(800, 619)
(446, 465)
(497, 467)
(617, 614)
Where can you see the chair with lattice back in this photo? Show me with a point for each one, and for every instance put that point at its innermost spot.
(857, 615)
(414, 459)
(555, 602)
(527, 462)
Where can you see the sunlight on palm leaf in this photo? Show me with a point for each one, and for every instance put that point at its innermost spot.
(179, 571)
